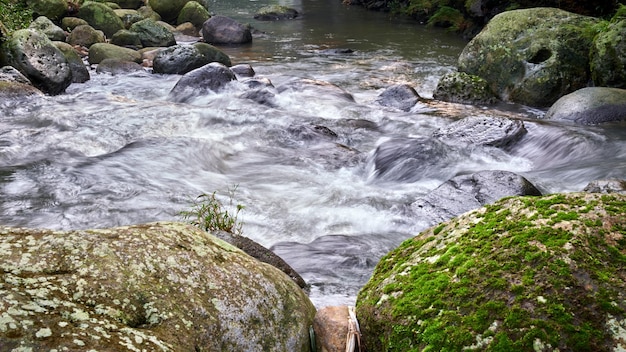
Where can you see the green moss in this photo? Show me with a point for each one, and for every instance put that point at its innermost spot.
(15, 14)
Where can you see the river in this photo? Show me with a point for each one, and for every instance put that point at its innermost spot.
(115, 151)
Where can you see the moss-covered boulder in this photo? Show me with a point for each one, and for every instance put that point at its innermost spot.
(101, 17)
(608, 56)
(152, 33)
(152, 287)
(80, 73)
(524, 274)
(101, 51)
(463, 88)
(129, 16)
(193, 12)
(168, 9)
(52, 9)
(275, 13)
(51, 30)
(590, 106)
(532, 56)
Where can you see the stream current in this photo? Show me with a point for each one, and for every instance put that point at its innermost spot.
(115, 151)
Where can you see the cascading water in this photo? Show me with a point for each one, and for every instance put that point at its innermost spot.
(115, 151)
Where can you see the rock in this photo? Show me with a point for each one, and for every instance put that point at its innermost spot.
(523, 274)
(14, 84)
(462, 88)
(34, 55)
(224, 30)
(11, 74)
(101, 17)
(180, 59)
(152, 33)
(400, 96)
(409, 159)
(85, 35)
(148, 12)
(185, 29)
(606, 186)
(207, 79)
(129, 4)
(69, 23)
(468, 192)
(531, 56)
(80, 74)
(590, 106)
(275, 13)
(608, 56)
(482, 130)
(117, 67)
(331, 328)
(126, 39)
(128, 16)
(51, 30)
(243, 70)
(52, 9)
(168, 9)
(193, 12)
(101, 51)
(159, 286)
(312, 86)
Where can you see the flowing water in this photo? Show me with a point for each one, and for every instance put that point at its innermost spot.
(115, 151)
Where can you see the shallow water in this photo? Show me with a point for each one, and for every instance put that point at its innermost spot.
(115, 151)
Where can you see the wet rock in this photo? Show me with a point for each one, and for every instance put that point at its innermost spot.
(243, 70)
(400, 96)
(101, 51)
(262, 95)
(126, 39)
(11, 74)
(80, 73)
(180, 59)
(159, 286)
(312, 133)
(69, 23)
(168, 9)
(207, 79)
(608, 56)
(193, 12)
(482, 130)
(85, 35)
(35, 56)
(152, 33)
(117, 67)
(531, 60)
(462, 88)
(468, 192)
(13, 84)
(51, 30)
(101, 17)
(331, 328)
(52, 9)
(224, 30)
(275, 13)
(590, 106)
(606, 186)
(311, 86)
(128, 16)
(486, 278)
(410, 159)
(148, 12)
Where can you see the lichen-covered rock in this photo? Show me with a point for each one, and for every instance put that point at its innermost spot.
(608, 56)
(180, 59)
(52, 9)
(208, 79)
(275, 13)
(589, 106)
(532, 56)
(193, 12)
(101, 17)
(463, 88)
(101, 51)
(34, 55)
(160, 286)
(85, 35)
(80, 74)
(399, 96)
(152, 33)
(524, 274)
(168, 9)
(482, 130)
(225, 30)
(51, 30)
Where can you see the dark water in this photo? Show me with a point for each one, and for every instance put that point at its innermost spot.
(114, 151)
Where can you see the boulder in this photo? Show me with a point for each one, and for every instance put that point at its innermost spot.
(590, 106)
(399, 96)
(34, 55)
(523, 274)
(463, 193)
(148, 12)
(80, 73)
(210, 78)
(52, 9)
(159, 286)
(51, 30)
(101, 17)
(463, 88)
(11, 74)
(152, 33)
(224, 30)
(180, 59)
(608, 56)
(531, 56)
(117, 67)
(482, 130)
(193, 12)
(85, 35)
(186, 30)
(69, 23)
(128, 16)
(275, 13)
(243, 70)
(127, 39)
(101, 51)
(168, 9)
(13, 84)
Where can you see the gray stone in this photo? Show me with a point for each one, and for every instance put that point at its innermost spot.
(224, 30)
(152, 33)
(589, 106)
(482, 130)
(207, 79)
(399, 96)
(180, 59)
(462, 88)
(80, 73)
(51, 30)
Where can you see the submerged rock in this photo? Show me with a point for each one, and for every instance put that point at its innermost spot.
(399, 96)
(159, 286)
(275, 13)
(589, 106)
(482, 130)
(524, 274)
(224, 30)
(207, 79)
(317, 87)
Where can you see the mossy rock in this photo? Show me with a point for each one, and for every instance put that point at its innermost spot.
(168, 9)
(51, 30)
(275, 13)
(193, 12)
(532, 56)
(101, 51)
(151, 287)
(463, 88)
(52, 9)
(80, 73)
(523, 274)
(153, 34)
(101, 17)
(608, 56)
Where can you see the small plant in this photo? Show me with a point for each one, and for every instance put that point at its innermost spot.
(208, 213)
(14, 14)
